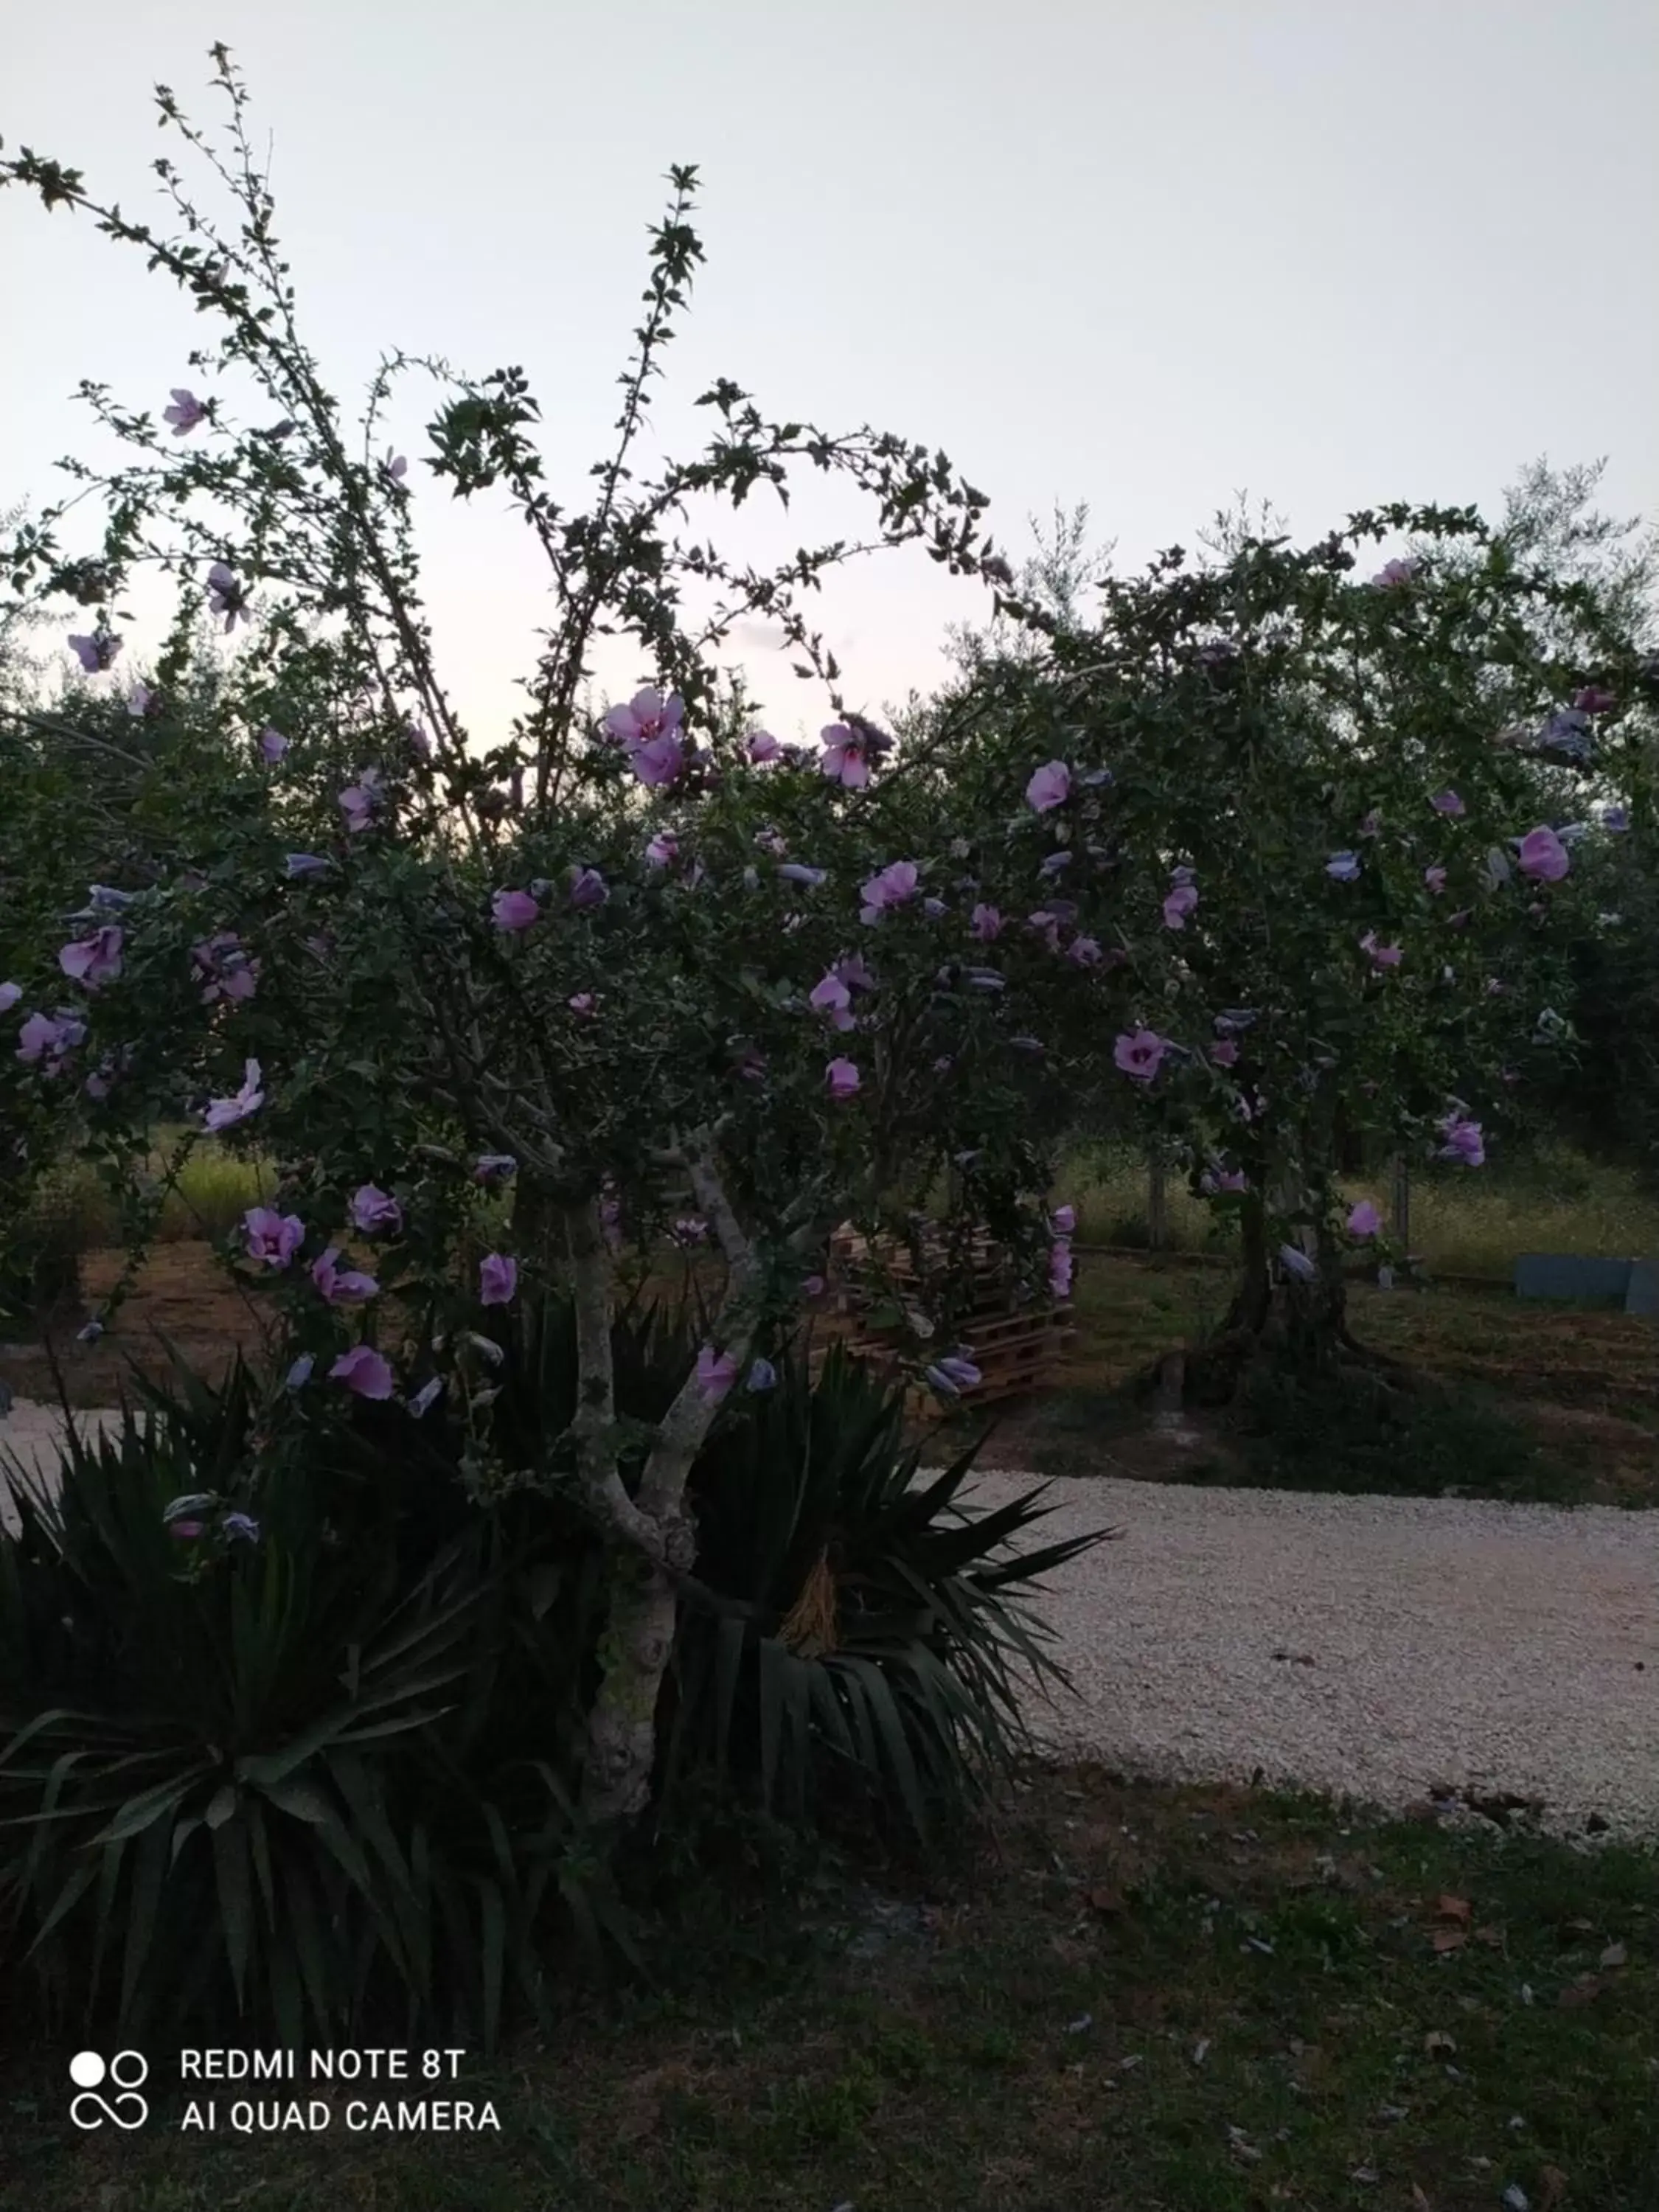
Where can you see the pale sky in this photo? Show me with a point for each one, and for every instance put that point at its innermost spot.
(1143, 255)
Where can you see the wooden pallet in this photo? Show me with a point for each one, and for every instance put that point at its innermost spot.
(1015, 1353)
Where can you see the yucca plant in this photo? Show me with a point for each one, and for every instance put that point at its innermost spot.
(293, 1735)
(852, 1632)
(249, 1768)
(845, 1628)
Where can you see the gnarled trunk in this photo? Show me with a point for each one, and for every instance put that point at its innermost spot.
(658, 1541)
(1278, 1320)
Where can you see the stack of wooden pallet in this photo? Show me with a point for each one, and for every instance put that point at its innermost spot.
(1016, 1348)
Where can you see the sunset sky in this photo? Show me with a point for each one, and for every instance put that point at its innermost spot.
(1146, 256)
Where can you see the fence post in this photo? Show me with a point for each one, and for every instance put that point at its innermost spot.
(1158, 1201)
(1399, 1204)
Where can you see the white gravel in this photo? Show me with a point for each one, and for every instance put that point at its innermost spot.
(1427, 1644)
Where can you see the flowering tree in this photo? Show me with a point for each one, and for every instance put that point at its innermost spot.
(595, 964)
(1313, 834)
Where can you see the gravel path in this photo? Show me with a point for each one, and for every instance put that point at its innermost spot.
(1385, 1647)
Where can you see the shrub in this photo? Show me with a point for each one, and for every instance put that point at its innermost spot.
(315, 1768)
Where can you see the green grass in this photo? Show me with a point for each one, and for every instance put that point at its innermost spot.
(213, 1191)
(1463, 1222)
(1145, 2000)
(1534, 1401)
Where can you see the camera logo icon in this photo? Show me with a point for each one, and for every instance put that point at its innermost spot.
(126, 2072)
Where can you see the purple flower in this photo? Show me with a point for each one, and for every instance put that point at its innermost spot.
(1448, 803)
(242, 1525)
(498, 1279)
(761, 745)
(953, 1375)
(1593, 700)
(853, 971)
(493, 1168)
(647, 717)
(185, 1532)
(1295, 1261)
(1434, 878)
(1343, 867)
(48, 1038)
(141, 700)
(1543, 856)
(374, 1210)
(843, 1078)
(986, 923)
(1380, 956)
(1372, 823)
(1049, 787)
(364, 1371)
(1232, 1180)
(659, 760)
(763, 1375)
(9, 995)
(305, 864)
(1396, 572)
(1140, 1054)
(273, 744)
(1616, 818)
(1463, 1142)
(893, 886)
(1225, 1052)
(273, 1237)
(224, 596)
(225, 1113)
(587, 888)
(581, 1004)
(95, 959)
(96, 653)
(300, 1374)
(663, 850)
(223, 969)
(845, 757)
(185, 412)
(812, 1287)
(793, 872)
(1178, 905)
(1085, 951)
(1365, 1220)
(716, 1371)
(394, 467)
(358, 800)
(831, 998)
(1057, 861)
(1060, 1268)
(1063, 1220)
(341, 1286)
(1569, 736)
(514, 910)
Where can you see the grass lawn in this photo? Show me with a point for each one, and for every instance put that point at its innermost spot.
(1139, 2000)
(1460, 1223)
(1540, 1402)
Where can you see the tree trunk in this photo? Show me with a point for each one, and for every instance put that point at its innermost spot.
(1279, 1320)
(658, 1540)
